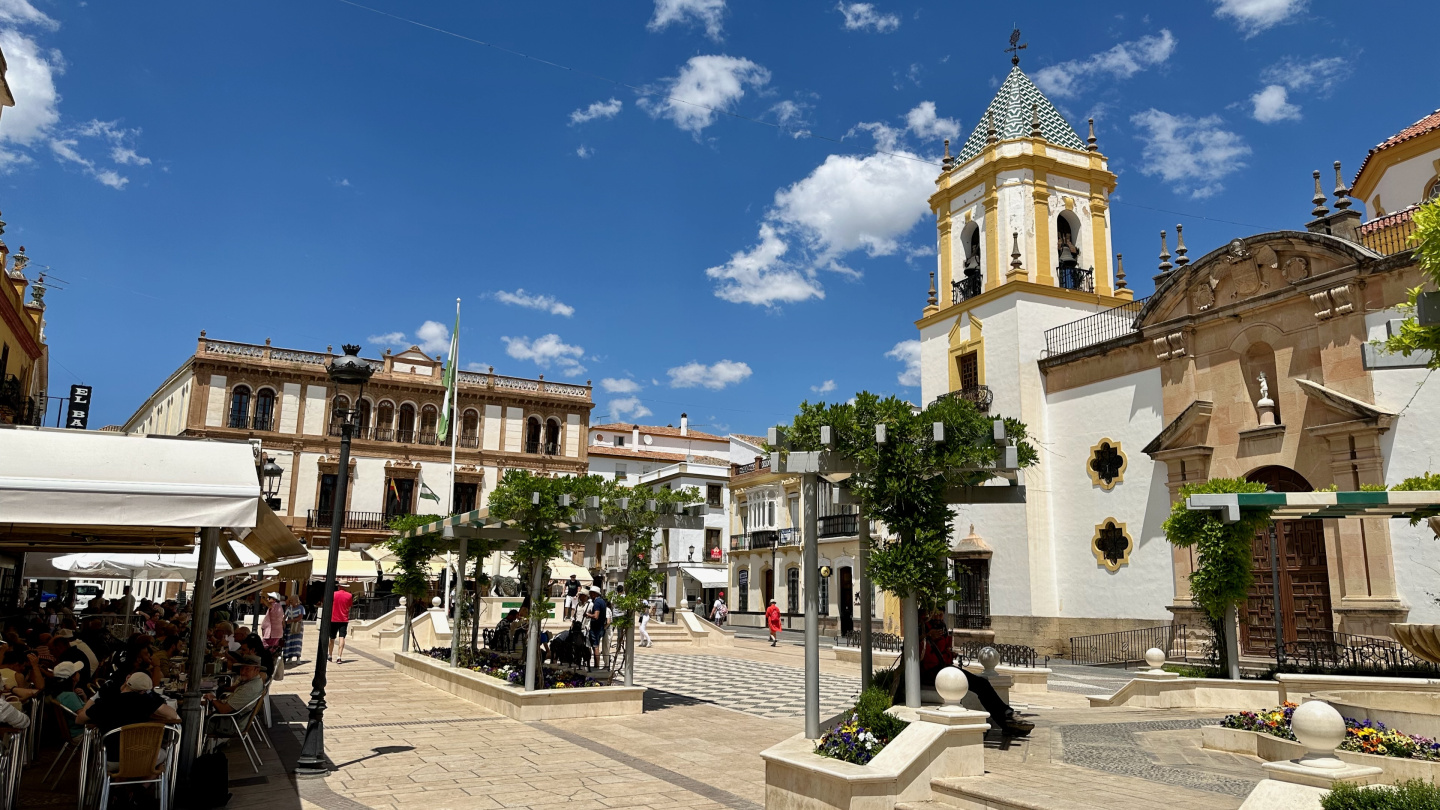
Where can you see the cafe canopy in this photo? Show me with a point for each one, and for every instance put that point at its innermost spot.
(1298, 505)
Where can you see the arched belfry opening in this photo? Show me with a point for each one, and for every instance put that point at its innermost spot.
(969, 285)
(1069, 268)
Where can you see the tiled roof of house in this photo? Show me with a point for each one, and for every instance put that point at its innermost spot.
(1389, 220)
(1011, 107)
(625, 452)
(1429, 123)
(758, 441)
(655, 430)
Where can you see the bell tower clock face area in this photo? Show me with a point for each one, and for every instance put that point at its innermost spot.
(1025, 199)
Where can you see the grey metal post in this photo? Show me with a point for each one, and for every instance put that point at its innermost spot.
(255, 613)
(475, 610)
(910, 621)
(1275, 587)
(405, 625)
(867, 601)
(1232, 642)
(532, 644)
(192, 712)
(459, 603)
(811, 578)
(630, 629)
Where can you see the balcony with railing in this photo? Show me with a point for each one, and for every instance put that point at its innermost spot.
(839, 526)
(15, 407)
(1076, 278)
(1391, 233)
(964, 289)
(358, 521)
(978, 395)
(760, 465)
(470, 441)
(1094, 329)
(429, 437)
(262, 422)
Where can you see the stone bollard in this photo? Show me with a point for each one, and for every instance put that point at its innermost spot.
(1155, 657)
(1298, 784)
(988, 658)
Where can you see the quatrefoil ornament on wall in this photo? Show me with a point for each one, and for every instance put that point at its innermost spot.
(1111, 544)
(1106, 464)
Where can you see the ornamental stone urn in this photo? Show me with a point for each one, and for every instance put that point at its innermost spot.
(1422, 640)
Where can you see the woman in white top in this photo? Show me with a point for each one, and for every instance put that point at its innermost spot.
(644, 614)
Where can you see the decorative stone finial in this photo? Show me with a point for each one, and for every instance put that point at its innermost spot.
(946, 162)
(1119, 271)
(1015, 250)
(2, 226)
(988, 658)
(1319, 198)
(1165, 265)
(1180, 250)
(1035, 120)
(329, 349)
(1321, 729)
(492, 369)
(932, 300)
(1155, 657)
(1090, 145)
(21, 260)
(202, 333)
(267, 341)
(952, 686)
(992, 135)
(1342, 192)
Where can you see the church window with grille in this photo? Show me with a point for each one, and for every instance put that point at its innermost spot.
(1111, 544)
(969, 371)
(1106, 464)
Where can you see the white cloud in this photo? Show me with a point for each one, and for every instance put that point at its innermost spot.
(824, 388)
(544, 303)
(793, 116)
(627, 409)
(845, 204)
(1192, 153)
(926, 124)
(434, 337)
(343, 182)
(761, 276)
(388, 339)
(20, 12)
(545, 351)
(483, 368)
(619, 385)
(584, 152)
(31, 76)
(714, 377)
(864, 17)
(1120, 62)
(1319, 75)
(1270, 105)
(600, 109)
(707, 13)
(706, 85)
(1254, 16)
(907, 352)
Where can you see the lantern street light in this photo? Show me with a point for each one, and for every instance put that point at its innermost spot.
(270, 482)
(346, 371)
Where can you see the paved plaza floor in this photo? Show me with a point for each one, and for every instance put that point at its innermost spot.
(397, 743)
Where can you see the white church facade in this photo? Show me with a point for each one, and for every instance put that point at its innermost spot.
(1129, 398)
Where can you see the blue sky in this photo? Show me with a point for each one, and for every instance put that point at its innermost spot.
(318, 173)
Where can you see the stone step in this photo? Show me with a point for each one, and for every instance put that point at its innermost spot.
(930, 805)
(1048, 786)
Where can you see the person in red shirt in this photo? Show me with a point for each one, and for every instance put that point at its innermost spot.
(772, 621)
(339, 623)
(938, 652)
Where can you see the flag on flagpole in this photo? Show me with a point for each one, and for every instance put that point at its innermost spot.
(427, 493)
(451, 377)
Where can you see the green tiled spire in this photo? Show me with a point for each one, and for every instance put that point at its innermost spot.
(1011, 107)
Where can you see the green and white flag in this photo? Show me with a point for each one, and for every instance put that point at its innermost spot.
(428, 493)
(452, 376)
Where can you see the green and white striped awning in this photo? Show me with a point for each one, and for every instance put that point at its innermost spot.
(479, 523)
(1297, 505)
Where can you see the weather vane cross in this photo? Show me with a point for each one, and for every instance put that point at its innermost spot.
(1015, 47)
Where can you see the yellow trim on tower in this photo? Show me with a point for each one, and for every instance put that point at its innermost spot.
(959, 347)
(1041, 260)
(992, 235)
(1100, 241)
(944, 224)
(996, 292)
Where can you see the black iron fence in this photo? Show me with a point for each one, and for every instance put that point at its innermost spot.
(1127, 646)
(1011, 655)
(1097, 328)
(885, 642)
(967, 287)
(839, 525)
(369, 608)
(1348, 652)
(1075, 278)
(323, 518)
(978, 395)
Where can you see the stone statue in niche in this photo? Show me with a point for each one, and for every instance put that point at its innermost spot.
(1264, 386)
(1266, 405)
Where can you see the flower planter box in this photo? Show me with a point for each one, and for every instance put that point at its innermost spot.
(936, 743)
(1194, 693)
(513, 701)
(1274, 749)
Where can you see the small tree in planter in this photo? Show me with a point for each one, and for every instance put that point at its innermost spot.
(412, 562)
(1223, 575)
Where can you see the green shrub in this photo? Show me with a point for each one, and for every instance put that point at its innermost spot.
(871, 710)
(1411, 795)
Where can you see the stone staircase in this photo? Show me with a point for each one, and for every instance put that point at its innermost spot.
(666, 634)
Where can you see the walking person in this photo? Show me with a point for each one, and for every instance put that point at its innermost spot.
(772, 621)
(272, 624)
(572, 589)
(294, 628)
(339, 622)
(645, 609)
(719, 611)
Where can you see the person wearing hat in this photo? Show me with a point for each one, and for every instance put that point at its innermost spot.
(62, 686)
(272, 626)
(598, 614)
(65, 647)
(772, 622)
(249, 689)
(572, 589)
(135, 702)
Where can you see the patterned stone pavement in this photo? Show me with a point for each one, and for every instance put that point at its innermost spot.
(762, 689)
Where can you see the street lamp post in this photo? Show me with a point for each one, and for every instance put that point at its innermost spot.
(270, 475)
(347, 370)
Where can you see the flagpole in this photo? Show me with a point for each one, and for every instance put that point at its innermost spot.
(454, 400)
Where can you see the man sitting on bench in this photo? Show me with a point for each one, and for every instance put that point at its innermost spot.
(937, 652)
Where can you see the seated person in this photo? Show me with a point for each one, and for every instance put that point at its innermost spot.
(67, 648)
(254, 645)
(500, 642)
(20, 673)
(248, 689)
(937, 652)
(133, 703)
(165, 656)
(64, 688)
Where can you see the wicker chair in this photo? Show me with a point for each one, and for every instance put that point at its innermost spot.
(242, 720)
(141, 745)
(12, 761)
(63, 718)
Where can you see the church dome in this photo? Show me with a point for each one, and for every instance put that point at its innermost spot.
(1012, 117)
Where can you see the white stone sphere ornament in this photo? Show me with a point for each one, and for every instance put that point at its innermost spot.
(952, 687)
(1155, 657)
(435, 601)
(988, 658)
(1321, 729)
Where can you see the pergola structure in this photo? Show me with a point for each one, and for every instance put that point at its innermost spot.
(586, 521)
(1300, 505)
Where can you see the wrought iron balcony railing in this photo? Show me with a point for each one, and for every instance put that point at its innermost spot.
(261, 422)
(405, 436)
(15, 407)
(470, 441)
(980, 396)
(428, 437)
(1076, 278)
(839, 525)
(384, 434)
(323, 519)
(1092, 329)
(964, 288)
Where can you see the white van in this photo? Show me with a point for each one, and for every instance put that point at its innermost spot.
(84, 592)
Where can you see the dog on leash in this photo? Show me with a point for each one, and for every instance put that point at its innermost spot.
(570, 647)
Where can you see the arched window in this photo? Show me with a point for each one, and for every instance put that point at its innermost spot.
(429, 418)
(1433, 192)
(405, 430)
(532, 435)
(792, 590)
(385, 421)
(968, 284)
(264, 409)
(364, 431)
(1067, 252)
(338, 406)
(239, 406)
(552, 437)
(470, 429)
